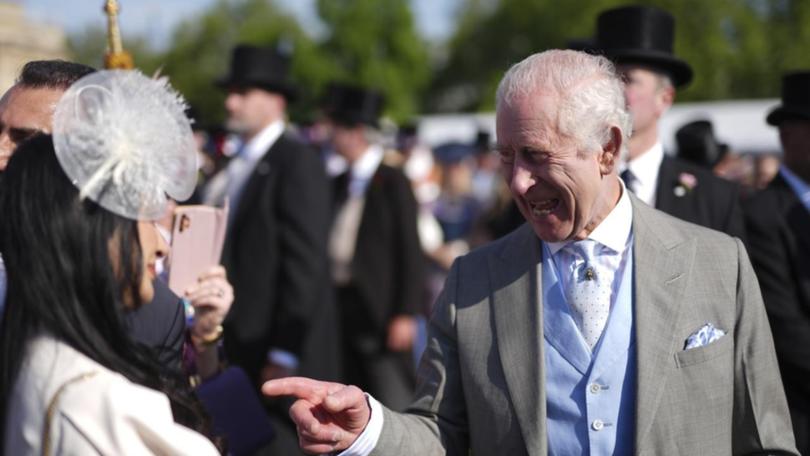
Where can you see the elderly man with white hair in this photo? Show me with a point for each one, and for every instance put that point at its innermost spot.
(595, 328)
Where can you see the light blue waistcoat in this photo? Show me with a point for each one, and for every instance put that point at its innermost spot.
(590, 399)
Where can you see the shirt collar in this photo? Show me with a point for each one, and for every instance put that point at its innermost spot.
(367, 164)
(645, 166)
(799, 186)
(259, 144)
(614, 230)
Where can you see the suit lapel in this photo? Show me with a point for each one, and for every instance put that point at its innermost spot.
(681, 206)
(797, 219)
(519, 332)
(254, 185)
(663, 191)
(662, 263)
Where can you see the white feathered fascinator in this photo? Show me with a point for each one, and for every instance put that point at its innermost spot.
(126, 143)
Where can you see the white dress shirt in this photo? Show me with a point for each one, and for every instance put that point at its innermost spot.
(231, 181)
(645, 170)
(613, 237)
(799, 187)
(343, 236)
(614, 233)
(364, 169)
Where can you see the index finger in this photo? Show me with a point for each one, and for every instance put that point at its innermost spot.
(308, 389)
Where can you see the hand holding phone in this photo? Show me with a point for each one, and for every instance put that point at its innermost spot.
(198, 234)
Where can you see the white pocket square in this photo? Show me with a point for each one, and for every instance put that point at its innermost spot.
(704, 336)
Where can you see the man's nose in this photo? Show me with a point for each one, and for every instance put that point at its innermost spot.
(522, 180)
(232, 101)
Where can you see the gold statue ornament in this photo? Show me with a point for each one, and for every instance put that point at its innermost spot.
(116, 57)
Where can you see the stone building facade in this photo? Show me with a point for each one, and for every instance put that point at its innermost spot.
(22, 40)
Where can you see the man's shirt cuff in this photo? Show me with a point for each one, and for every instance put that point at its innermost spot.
(367, 440)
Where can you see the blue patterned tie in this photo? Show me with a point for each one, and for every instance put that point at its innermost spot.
(588, 291)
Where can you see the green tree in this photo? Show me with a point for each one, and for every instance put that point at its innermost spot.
(737, 48)
(201, 49)
(374, 43)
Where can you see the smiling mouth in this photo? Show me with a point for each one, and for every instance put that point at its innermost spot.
(544, 207)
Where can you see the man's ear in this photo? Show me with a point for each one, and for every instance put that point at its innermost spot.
(666, 97)
(611, 152)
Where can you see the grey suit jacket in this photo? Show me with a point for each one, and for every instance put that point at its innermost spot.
(481, 378)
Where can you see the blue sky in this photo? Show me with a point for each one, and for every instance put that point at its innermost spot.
(156, 18)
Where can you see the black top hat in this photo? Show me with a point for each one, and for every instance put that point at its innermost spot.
(265, 68)
(351, 105)
(795, 98)
(697, 144)
(643, 35)
(482, 141)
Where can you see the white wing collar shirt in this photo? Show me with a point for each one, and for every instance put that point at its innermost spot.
(230, 181)
(364, 169)
(241, 166)
(644, 169)
(611, 239)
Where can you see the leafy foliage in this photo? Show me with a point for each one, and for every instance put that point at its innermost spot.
(738, 48)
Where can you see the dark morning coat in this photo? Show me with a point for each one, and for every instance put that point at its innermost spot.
(779, 244)
(387, 268)
(275, 257)
(387, 280)
(714, 202)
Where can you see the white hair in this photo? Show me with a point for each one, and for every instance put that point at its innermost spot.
(591, 94)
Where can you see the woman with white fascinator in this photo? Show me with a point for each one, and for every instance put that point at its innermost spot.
(80, 248)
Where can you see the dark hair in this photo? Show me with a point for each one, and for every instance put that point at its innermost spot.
(63, 281)
(52, 74)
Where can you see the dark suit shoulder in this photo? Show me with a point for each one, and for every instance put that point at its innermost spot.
(697, 195)
(705, 178)
(288, 145)
(391, 175)
(770, 199)
(670, 227)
